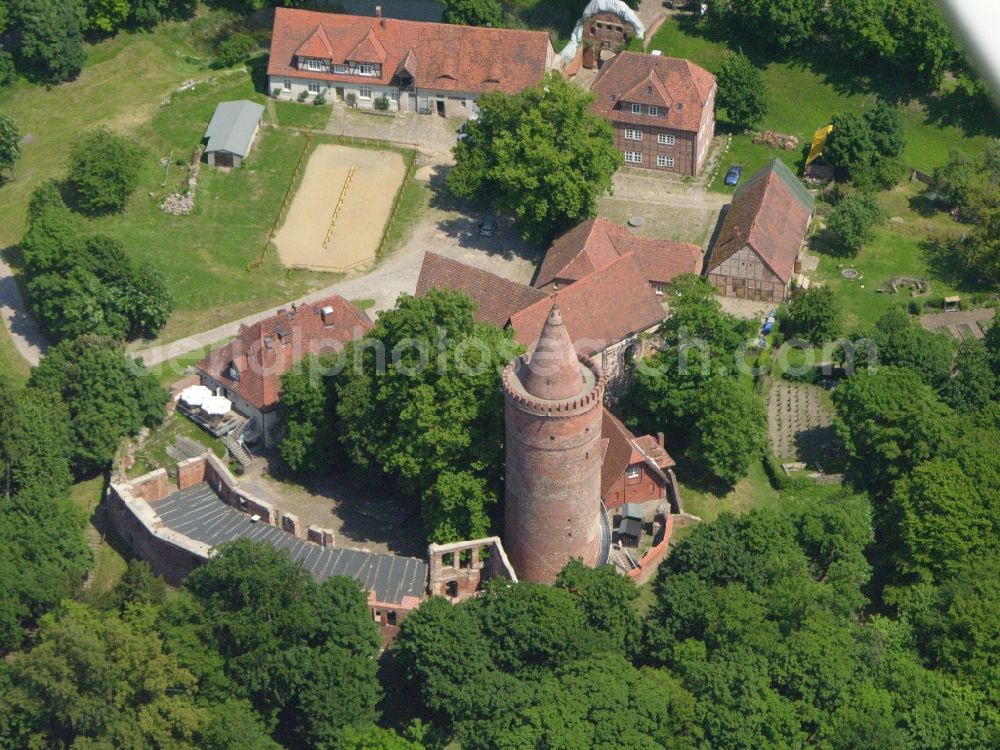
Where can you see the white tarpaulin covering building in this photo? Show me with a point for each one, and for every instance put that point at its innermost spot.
(601, 6)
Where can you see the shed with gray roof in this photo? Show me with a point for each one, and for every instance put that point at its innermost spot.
(230, 133)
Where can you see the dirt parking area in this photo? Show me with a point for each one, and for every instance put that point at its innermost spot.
(361, 516)
(319, 236)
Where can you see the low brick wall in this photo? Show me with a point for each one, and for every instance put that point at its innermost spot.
(133, 520)
(650, 562)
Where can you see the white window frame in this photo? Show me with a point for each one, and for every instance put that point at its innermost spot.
(636, 109)
(658, 288)
(314, 64)
(666, 139)
(362, 90)
(394, 95)
(633, 157)
(633, 472)
(340, 69)
(653, 111)
(366, 69)
(633, 135)
(313, 88)
(286, 85)
(664, 161)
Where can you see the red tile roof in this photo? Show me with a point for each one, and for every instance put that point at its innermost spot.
(624, 449)
(440, 56)
(597, 242)
(679, 86)
(600, 309)
(771, 213)
(497, 298)
(263, 352)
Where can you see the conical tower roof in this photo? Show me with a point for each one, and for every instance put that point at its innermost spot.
(553, 371)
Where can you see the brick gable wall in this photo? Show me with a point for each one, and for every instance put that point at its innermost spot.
(683, 150)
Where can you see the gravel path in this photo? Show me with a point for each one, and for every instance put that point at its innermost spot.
(24, 330)
(446, 232)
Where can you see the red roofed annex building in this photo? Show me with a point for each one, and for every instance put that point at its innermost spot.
(417, 66)
(757, 249)
(604, 312)
(662, 110)
(248, 369)
(634, 469)
(595, 243)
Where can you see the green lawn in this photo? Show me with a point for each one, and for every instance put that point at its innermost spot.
(205, 255)
(129, 84)
(753, 491)
(898, 250)
(153, 454)
(802, 98)
(108, 563)
(302, 115)
(12, 364)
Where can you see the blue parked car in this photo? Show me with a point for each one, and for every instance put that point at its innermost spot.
(734, 174)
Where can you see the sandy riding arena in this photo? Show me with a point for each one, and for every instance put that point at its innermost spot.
(317, 233)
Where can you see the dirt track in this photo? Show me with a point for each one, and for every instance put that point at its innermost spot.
(361, 221)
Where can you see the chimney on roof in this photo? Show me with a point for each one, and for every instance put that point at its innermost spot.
(659, 440)
(327, 313)
(378, 11)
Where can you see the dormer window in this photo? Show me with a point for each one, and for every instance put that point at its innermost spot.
(636, 109)
(654, 111)
(312, 64)
(339, 68)
(366, 69)
(233, 373)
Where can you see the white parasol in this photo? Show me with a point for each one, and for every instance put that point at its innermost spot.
(216, 406)
(195, 395)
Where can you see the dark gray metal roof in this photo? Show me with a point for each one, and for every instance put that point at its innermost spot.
(232, 126)
(200, 514)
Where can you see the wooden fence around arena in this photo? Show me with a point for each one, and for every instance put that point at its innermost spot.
(283, 209)
(411, 158)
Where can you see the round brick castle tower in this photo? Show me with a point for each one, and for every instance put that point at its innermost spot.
(553, 480)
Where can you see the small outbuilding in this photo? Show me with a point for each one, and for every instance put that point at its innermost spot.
(231, 132)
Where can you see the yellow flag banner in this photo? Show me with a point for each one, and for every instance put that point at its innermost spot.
(819, 140)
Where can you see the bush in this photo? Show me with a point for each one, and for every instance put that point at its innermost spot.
(238, 48)
(853, 221)
(320, 100)
(352, 99)
(276, 92)
(382, 104)
(303, 95)
(103, 170)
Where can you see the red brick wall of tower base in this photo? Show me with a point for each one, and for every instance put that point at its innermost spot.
(553, 487)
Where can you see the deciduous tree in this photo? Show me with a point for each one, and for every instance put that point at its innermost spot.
(10, 141)
(852, 221)
(473, 13)
(50, 44)
(107, 395)
(742, 92)
(539, 154)
(103, 170)
(814, 315)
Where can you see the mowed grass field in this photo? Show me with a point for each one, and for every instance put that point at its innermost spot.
(899, 249)
(129, 84)
(803, 97)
